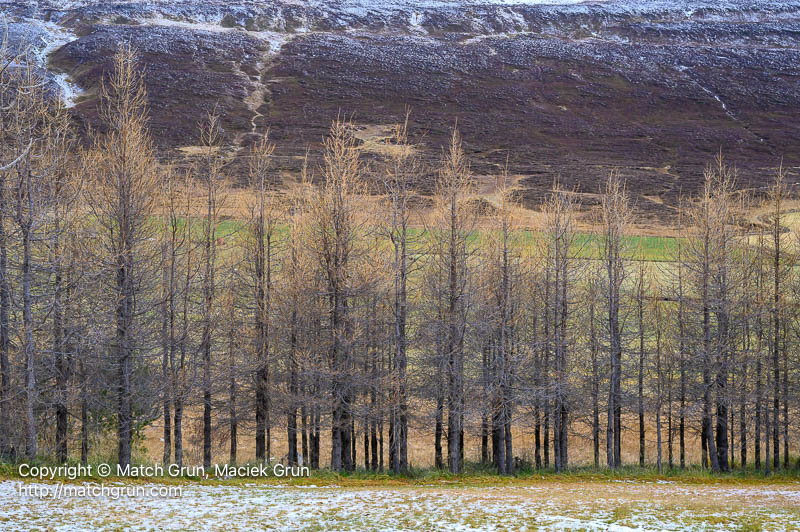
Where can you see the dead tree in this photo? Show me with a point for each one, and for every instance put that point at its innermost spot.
(260, 242)
(615, 222)
(403, 169)
(125, 174)
(559, 242)
(334, 236)
(450, 232)
(211, 179)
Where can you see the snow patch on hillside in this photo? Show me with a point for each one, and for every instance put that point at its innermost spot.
(275, 39)
(51, 38)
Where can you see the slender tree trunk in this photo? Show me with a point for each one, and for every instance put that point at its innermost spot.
(722, 391)
(759, 324)
(595, 384)
(746, 353)
(759, 401)
(546, 369)
(439, 429)
(234, 416)
(60, 349)
(123, 347)
(486, 408)
(785, 401)
(776, 320)
(5, 371)
(31, 443)
(291, 422)
(708, 431)
(640, 403)
(177, 428)
(767, 433)
(84, 415)
(670, 457)
(166, 378)
(682, 362)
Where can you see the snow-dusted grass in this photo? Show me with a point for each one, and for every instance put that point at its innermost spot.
(629, 505)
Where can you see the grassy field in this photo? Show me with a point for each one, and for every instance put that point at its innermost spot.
(583, 498)
(443, 504)
(585, 246)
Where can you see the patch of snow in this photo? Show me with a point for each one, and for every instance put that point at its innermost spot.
(51, 39)
(415, 22)
(253, 506)
(197, 26)
(275, 39)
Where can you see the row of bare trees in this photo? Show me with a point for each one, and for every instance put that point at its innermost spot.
(132, 293)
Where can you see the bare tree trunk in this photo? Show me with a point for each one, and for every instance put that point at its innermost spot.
(537, 415)
(84, 415)
(722, 390)
(5, 370)
(767, 433)
(123, 348)
(166, 378)
(291, 424)
(315, 447)
(595, 383)
(437, 439)
(211, 138)
(232, 389)
(546, 369)
(304, 435)
(759, 401)
(403, 170)
(260, 240)
(659, 385)
(670, 458)
(179, 366)
(485, 408)
(208, 297)
(777, 194)
(640, 323)
(759, 347)
(31, 444)
(294, 390)
(682, 354)
(616, 214)
(708, 431)
(374, 408)
(785, 402)
(60, 346)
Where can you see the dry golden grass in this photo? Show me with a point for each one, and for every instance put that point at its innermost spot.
(420, 445)
(378, 139)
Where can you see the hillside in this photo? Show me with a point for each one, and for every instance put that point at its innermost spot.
(567, 89)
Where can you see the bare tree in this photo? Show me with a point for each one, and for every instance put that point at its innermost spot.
(615, 222)
(260, 250)
(451, 249)
(560, 247)
(781, 268)
(710, 263)
(125, 174)
(504, 277)
(404, 167)
(336, 233)
(211, 178)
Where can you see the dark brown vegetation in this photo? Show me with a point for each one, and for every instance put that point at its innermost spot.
(653, 89)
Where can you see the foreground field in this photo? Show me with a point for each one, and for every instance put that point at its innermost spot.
(605, 505)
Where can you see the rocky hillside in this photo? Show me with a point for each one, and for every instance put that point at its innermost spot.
(566, 88)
